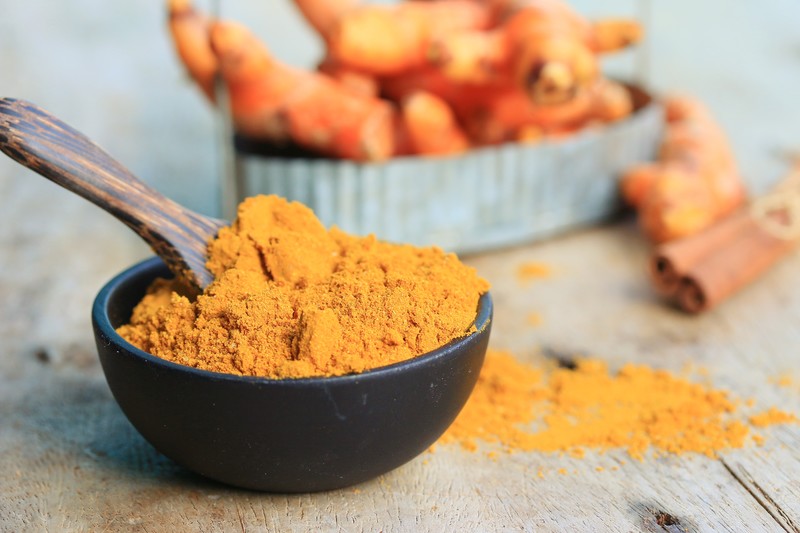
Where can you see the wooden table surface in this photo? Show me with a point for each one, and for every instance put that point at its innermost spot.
(70, 461)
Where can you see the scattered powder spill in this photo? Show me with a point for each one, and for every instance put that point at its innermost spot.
(534, 319)
(771, 417)
(693, 369)
(786, 381)
(640, 409)
(533, 270)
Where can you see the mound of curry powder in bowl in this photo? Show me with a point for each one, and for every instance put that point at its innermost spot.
(292, 299)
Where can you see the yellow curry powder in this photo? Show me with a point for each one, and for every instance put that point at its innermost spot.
(533, 270)
(640, 409)
(772, 416)
(293, 299)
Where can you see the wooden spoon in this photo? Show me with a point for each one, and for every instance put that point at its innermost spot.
(44, 144)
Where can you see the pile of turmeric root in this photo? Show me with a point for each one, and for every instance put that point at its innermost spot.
(426, 77)
(694, 180)
(434, 77)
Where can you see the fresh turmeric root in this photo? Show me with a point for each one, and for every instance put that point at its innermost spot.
(325, 118)
(385, 40)
(417, 77)
(358, 83)
(602, 36)
(475, 56)
(546, 47)
(495, 113)
(678, 204)
(695, 180)
(258, 86)
(611, 35)
(472, 55)
(271, 101)
(554, 69)
(427, 79)
(323, 14)
(611, 101)
(190, 35)
(431, 126)
(605, 101)
(638, 181)
(503, 10)
(509, 115)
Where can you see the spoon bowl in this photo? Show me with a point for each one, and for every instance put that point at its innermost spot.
(287, 435)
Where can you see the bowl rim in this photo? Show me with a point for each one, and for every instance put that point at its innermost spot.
(102, 321)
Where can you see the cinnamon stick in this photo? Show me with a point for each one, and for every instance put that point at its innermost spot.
(702, 270)
(674, 257)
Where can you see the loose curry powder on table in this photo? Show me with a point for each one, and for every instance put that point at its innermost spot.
(639, 409)
(292, 299)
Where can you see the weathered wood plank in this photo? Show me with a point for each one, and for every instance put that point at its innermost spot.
(71, 461)
(75, 460)
(598, 303)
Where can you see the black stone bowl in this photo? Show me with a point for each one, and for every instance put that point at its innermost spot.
(292, 435)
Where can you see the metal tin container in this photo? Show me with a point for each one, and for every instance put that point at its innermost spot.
(483, 199)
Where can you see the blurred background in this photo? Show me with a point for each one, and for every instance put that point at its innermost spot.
(108, 68)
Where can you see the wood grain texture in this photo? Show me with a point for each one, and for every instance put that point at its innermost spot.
(70, 461)
(44, 144)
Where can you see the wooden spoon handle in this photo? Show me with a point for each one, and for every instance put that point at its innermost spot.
(44, 144)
